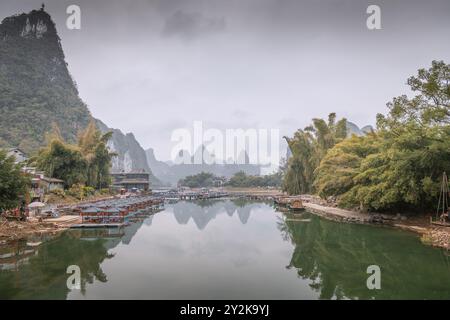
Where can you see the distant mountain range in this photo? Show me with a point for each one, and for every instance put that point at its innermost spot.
(171, 173)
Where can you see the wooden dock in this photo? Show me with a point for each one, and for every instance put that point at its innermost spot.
(97, 225)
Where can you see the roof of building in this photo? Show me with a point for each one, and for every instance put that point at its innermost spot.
(91, 210)
(129, 173)
(15, 149)
(133, 181)
(52, 180)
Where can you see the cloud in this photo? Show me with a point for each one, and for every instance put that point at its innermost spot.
(192, 25)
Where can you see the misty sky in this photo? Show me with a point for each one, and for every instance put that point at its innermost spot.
(153, 66)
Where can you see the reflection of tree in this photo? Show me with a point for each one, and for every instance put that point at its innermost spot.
(244, 213)
(45, 276)
(283, 227)
(240, 202)
(204, 203)
(335, 258)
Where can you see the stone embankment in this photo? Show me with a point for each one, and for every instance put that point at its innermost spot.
(435, 236)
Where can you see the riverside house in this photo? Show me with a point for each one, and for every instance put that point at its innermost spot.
(40, 184)
(131, 181)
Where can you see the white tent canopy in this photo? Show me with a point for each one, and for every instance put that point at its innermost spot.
(37, 204)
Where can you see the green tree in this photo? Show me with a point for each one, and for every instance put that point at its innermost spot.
(87, 163)
(63, 161)
(399, 167)
(308, 147)
(242, 180)
(13, 182)
(93, 146)
(200, 180)
(337, 171)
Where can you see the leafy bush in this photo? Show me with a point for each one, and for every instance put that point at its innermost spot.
(76, 191)
(58, 192)
(13, 183)
(201, 180)
(88, 191)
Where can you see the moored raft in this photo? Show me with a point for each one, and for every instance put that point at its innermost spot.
(114, 212)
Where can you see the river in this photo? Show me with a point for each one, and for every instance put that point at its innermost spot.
(227, 249)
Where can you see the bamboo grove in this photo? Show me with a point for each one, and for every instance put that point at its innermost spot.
(86, 163)
(398, 166)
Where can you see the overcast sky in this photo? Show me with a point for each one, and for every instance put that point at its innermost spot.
(150, 67)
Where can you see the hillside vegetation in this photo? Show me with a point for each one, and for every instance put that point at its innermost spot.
(36, 89)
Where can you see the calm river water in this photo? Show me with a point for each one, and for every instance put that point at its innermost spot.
(226, 250)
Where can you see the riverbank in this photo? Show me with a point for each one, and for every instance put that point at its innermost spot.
(430, 235)
(16, 230)
(254, 191)
(107, 212)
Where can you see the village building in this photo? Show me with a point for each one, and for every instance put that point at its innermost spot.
(131, 181)
(18, 154)
(40, 184)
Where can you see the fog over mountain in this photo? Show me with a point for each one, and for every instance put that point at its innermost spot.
(152, 66)
(170, 173)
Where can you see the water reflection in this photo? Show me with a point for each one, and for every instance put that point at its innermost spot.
(335, 257)
(44, 275)
(15, 254)
(225, 250)
(202, 212)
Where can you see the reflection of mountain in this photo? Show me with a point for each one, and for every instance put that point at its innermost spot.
(203, 212)
(148, 221)
(230, 207)
(244, 214)
(130, 231)
(335, 258)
